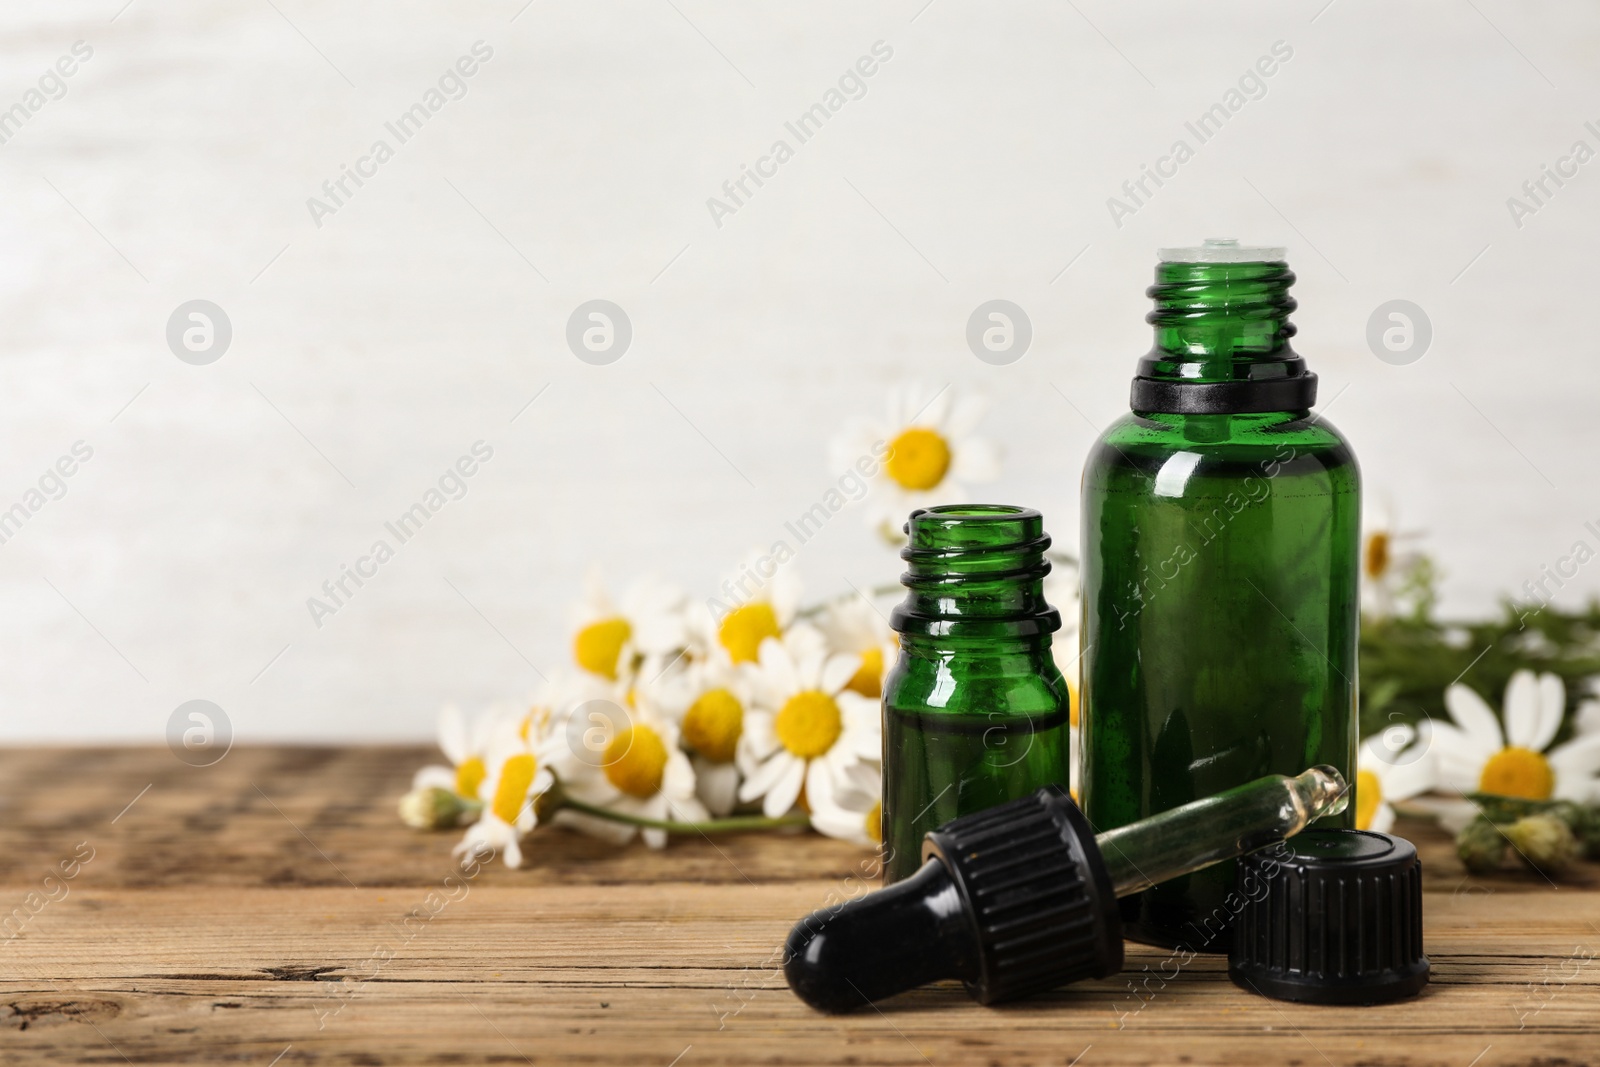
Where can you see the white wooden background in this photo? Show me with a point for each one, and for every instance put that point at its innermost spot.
(372, 351)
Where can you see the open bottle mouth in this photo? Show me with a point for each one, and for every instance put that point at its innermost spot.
(947, 530)
(975, 565)
(1222, 334)
(1222, 250)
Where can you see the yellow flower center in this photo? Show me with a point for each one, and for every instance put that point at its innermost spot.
(511, 791)
(745, 627)
(1375, 561)
(636, 760)
(1518, 772)
(875, 822)
(1369, 794)
(713, 723)
(868, 680)
(809, 723)
(1072, 703)
(598, 646)
(469, 776)
(918, 458)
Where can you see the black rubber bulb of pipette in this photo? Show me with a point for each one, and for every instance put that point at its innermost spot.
(912, 933)
(1012, 900)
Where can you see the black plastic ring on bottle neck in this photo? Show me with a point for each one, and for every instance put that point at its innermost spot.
(1166, 396)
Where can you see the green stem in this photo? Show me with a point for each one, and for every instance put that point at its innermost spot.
(712, 826)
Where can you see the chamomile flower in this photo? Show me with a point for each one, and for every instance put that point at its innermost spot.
(925, 450)
(855, 812)
(1388, 559)
(806, 729)
(757, 601)
(1390, 766)
(853, 625)
(465, 745)
(709, 702)
(609, 636)
(1476, 754)
(518, 774)
(640, 771)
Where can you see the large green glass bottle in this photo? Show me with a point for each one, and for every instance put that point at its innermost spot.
(975, 711)
(1221, 534)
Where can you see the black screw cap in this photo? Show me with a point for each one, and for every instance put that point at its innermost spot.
(1331, 917)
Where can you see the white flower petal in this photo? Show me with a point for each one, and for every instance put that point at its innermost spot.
(434, 777)
(453, 741)
(867, 743)
(1459, 761)
(1521, 710)
(605, 829)
(684, 809)
(778, 673)
(1382, 819)
(1453, 815)
(1478, 723)
(786, 591)
(677, 779)
(866, 778)
(927, 411)
(837, 670)
(759, 740)
(820, 786)
(977, 460)
(717, 785)
(781, 797)
(1402, 781)
(965, 414)
(1580, 756)
(841, 823)
(852, 443)
(1588, 719)
(1552, 708)
(764, 777)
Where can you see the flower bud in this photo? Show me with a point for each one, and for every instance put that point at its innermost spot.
(1545, 842)
(431, 808)
(1481, 846)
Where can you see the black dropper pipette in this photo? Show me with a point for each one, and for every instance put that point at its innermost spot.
(1022, 897)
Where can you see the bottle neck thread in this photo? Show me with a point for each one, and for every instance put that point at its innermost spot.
(1222, 334)
(975, 571)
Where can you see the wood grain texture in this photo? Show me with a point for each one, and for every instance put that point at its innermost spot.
(272, 909)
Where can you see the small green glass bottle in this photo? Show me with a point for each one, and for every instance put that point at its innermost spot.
(1221, 536)
(975, 712)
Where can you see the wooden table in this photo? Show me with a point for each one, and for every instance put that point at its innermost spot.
(271, 909)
